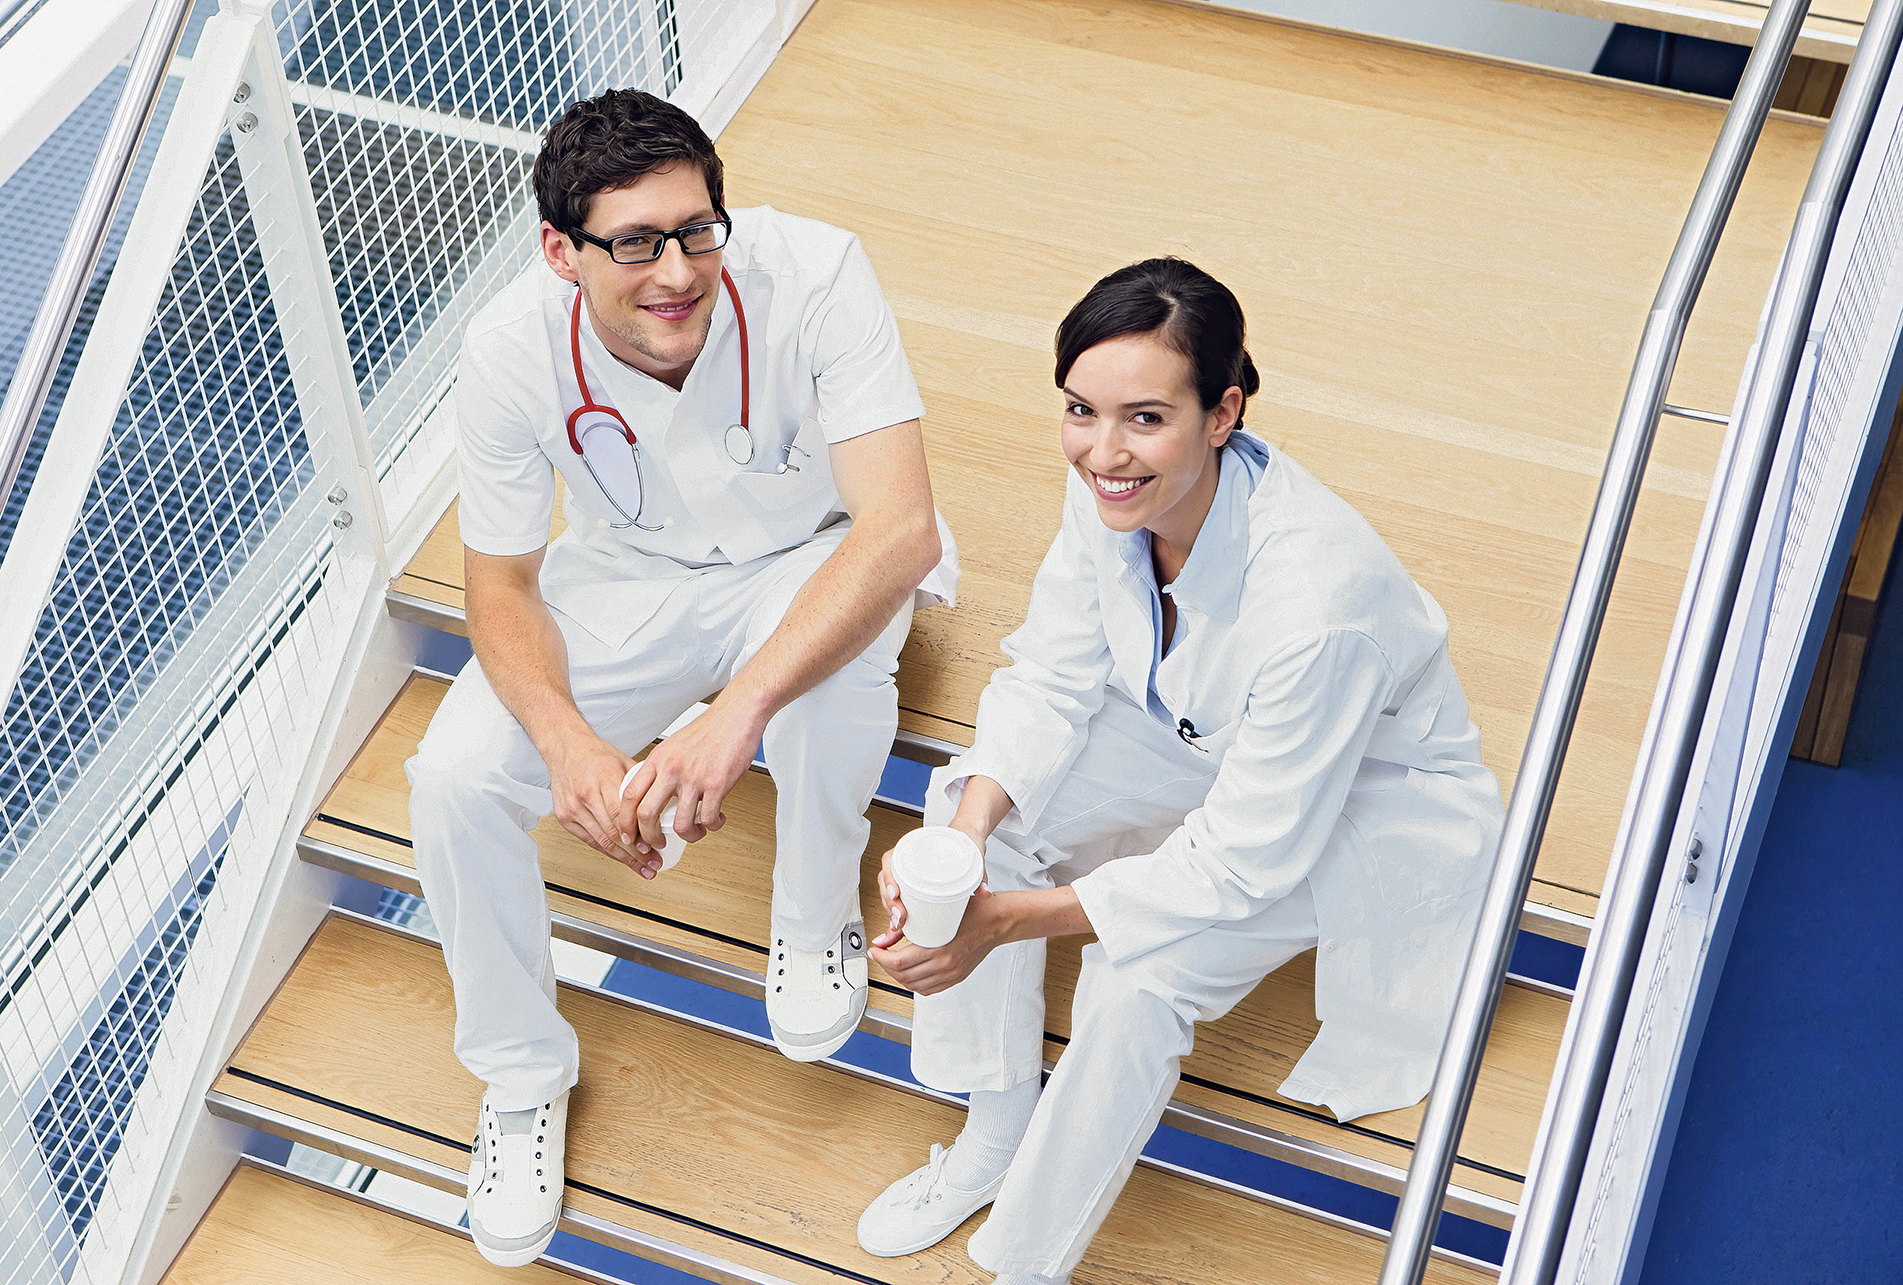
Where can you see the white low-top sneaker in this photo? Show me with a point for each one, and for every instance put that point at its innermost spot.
(919, 1210)
(515, 1181)
(815, 998)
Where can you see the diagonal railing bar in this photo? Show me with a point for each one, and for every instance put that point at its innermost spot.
(1419, 1212)
(1639, 860)
(92, 221)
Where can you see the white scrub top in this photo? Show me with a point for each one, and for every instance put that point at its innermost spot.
(827, 366)
(1315, 674)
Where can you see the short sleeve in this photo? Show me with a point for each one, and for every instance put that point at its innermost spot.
(861, 376)
(507, 483)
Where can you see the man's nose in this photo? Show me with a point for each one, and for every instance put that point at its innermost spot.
(672, 269)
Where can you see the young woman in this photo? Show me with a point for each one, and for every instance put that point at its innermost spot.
(1230, 733)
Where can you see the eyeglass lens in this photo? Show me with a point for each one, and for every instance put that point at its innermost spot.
(644, 247)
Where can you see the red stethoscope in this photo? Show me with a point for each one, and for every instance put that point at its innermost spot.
(597, 432)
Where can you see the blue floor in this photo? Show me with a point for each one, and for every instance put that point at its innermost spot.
(1788, 1165)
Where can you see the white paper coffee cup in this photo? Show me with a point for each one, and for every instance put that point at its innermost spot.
(938, 868)
(671, 854)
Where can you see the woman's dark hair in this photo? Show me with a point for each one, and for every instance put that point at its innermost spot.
(1195, 314)
(602, 144)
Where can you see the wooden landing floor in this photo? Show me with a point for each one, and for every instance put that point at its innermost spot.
(653, 1142)
(715, 904)
(1446, 262)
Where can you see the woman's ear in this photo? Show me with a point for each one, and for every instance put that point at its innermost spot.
(1224, 416)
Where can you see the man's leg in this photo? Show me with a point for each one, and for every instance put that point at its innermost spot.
(477, 788)
(826, 751)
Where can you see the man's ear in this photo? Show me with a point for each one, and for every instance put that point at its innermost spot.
(559, 252)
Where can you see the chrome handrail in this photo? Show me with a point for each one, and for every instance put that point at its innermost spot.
(1639, 860)
(92, 221)
(1418, 1215)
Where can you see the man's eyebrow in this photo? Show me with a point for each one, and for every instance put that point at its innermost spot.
(636, 229)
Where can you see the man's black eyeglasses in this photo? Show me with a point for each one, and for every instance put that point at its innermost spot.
(646, 247)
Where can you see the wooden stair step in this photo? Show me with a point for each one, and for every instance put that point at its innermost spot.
(269, 1228)
(655, 1139)
(715, 904)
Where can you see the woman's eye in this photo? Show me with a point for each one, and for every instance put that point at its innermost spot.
(1148, 418)
(1078, 409)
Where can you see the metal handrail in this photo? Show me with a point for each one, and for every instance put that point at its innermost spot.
(92, 221)
(1415, 1221)
(1639, 860)
(9, 10)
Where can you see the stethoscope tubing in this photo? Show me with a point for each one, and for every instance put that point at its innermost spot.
(588, 402)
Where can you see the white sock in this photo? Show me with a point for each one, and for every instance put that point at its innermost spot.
(1030, 1278)
(993, 1129)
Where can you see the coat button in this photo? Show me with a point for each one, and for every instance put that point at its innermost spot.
(1328, 947)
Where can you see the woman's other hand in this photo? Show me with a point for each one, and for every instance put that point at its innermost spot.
(926, 971)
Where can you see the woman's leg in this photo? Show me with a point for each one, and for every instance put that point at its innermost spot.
(1132, 1025)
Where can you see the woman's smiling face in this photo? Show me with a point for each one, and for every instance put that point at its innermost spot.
(1137, 434)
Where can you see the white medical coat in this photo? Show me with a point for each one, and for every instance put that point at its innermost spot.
(827, 366)
(1316, 674)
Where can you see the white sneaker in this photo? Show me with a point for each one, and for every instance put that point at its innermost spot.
(919, 1210)
(814, 999)
(515, 1183)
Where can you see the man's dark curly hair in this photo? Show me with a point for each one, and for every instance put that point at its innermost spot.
(606, 143)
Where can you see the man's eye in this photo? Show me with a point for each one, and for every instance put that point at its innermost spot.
(642, 243)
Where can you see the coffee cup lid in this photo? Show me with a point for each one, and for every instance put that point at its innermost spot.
(938, 861)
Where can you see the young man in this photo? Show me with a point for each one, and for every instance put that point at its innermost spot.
(726, 400)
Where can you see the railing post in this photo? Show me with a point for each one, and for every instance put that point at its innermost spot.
(277, 185)
(1412, 1235)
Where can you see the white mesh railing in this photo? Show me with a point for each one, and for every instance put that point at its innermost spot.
(342, 184)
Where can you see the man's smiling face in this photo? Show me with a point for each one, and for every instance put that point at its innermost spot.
(653, 316)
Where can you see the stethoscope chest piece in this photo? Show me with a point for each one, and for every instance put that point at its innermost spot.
(739, 444)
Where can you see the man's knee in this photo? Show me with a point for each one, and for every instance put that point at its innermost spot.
(450, 778)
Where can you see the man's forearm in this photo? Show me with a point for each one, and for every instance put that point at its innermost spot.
(526, 662)
(837, 613)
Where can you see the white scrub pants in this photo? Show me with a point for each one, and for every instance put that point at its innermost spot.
(1131, 1023)
(478, 787)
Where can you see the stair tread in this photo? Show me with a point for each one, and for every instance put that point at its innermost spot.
(653, 1121)
(722, 887)
(266, 1228)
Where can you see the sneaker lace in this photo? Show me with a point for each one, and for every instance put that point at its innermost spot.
(926, 1179)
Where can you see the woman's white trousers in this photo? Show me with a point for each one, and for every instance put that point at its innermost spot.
(1131, 1024)
(478, 787)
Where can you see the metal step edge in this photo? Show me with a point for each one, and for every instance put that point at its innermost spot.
(1274, 1144)
(1542, 920)
(427, 1172)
